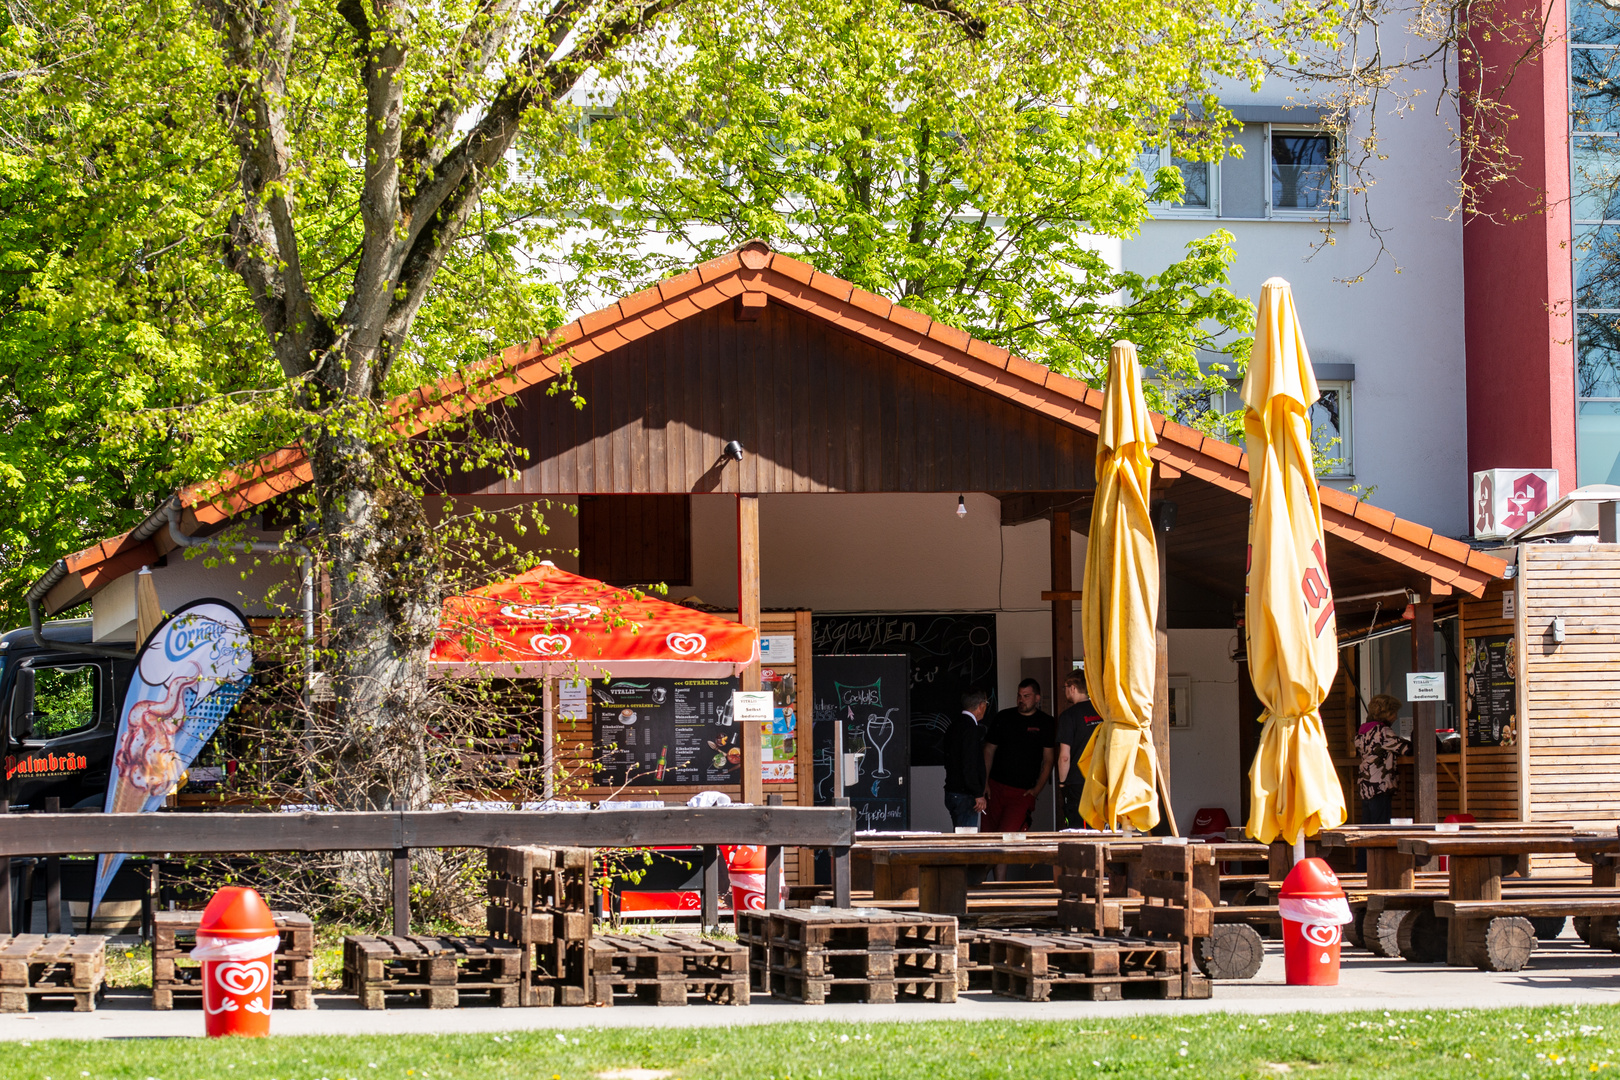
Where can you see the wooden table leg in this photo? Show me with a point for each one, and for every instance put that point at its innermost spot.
(773, 878)
(1473, 877)
(840, 876)
(942, 890)
(1388, 868)
(711, 886)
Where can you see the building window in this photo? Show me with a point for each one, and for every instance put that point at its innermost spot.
(1199, 180)
(1331, 431)
(1594, 127)
(1304, 172)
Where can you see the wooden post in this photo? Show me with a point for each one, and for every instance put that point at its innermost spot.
(711, 886)
(548, 732)
(840, 866)
(773, 866)
(748, 615)
(402, 891)
(1163, 516)
(1062, 607)
(1423, 717)
(53, 880)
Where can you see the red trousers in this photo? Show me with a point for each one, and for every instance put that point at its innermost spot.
(1009, 809)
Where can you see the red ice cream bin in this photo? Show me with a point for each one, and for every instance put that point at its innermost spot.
(1313, 910)
(236, 942)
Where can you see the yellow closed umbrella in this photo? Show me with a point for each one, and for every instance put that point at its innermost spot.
(148, 613)
(1292, 639)
(1117, 608)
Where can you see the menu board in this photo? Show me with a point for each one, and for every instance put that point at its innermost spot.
(666, 732)
(869, 696)
(1490, 671)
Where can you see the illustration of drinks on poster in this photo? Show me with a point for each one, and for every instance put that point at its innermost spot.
(666, 732)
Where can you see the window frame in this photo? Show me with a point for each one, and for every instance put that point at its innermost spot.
(98, 696)
(1167, 159)
(1346, 457)
(1336, 209)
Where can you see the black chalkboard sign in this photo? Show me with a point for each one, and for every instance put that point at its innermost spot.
(869, 696)
(950, 654)
(666, 732)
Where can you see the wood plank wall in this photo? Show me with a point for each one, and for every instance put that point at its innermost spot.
(1492, 771)
(815, 410)
(1573, 688)
(636, 539)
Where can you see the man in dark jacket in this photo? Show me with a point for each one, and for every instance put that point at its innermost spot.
(964, 761)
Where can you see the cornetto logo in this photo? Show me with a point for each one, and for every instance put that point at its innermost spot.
(45, 765)
(188, 634)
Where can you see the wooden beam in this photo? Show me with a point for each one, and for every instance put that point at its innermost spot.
(204, 834)
(1022, 507)
(1423, 717)
(1062, 598)
(753, 790)
(1070, 595)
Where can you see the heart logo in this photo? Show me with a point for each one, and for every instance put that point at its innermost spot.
(550, 644)
(242, 978)
(686, 644)
(1323, 934)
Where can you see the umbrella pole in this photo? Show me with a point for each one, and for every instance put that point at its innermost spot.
(1164, 799)
(1299, 849)
(548, 725)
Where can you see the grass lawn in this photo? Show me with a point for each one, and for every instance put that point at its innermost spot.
(1517, 1043)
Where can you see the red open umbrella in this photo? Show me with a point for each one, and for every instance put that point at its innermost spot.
(549, 622)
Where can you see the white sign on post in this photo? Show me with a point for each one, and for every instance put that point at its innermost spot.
(776, 648)
(573, 699)
(753, 706)
(1508, 597)
(1426, 686)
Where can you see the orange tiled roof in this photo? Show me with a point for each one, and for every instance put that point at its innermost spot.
(754, 268)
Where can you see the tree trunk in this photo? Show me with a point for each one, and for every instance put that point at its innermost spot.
(386, 593)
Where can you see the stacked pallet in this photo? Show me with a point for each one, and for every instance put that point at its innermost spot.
(816, 955)
(754, 934)
(438, 970)
(51, 966)
(176, 975)
(540, 900)
(1033, 967)
(973, 959)
(665, 969)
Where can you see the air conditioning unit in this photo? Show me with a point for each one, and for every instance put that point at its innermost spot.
(1506, 500)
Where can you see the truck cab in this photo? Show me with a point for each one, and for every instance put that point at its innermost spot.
(60, 710)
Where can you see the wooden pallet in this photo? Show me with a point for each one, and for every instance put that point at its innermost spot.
(666, 969)
(871, 955)
(177, 979)
(972, 960)
(52, 966)
(754, 933)
(540, 899)
(1031, 967)
(436, 969)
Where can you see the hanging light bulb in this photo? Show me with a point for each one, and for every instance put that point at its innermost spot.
(961, 506)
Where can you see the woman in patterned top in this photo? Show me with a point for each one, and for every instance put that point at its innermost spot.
(1378, 748)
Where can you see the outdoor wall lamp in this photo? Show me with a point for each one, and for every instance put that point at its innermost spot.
(1556, 629)
(733, 450)
(961, 506)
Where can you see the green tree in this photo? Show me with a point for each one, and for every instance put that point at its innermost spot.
(977, 172)
(305, 209)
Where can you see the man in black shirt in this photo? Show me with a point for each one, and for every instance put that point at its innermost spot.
(1074, 727)
(1018, 757)
(964, 761)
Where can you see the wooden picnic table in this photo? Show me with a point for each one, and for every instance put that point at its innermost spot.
(1475, 877)
(1390, 867)
(944, 871)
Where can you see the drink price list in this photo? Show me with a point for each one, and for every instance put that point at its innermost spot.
(666, 732)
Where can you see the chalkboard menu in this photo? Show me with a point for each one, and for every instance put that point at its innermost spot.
(1490, 672)
(869, 696)
(666, 732)
(949, 655)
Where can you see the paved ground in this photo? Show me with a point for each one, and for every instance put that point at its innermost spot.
(1561, 973)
